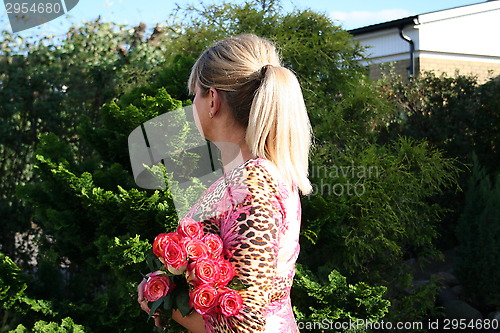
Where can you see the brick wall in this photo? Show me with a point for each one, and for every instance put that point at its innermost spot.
(481, 69)
(400, 68)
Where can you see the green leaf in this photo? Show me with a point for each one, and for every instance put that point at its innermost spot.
(236, 284)
(182, 300)
(155, 306)
(149, 262)
(168, 304)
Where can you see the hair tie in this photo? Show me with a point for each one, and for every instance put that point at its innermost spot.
(263, 70)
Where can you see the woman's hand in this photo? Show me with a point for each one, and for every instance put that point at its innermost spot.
(144, 303)
(193, 322)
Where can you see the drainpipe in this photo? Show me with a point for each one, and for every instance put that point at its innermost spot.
(411, 68)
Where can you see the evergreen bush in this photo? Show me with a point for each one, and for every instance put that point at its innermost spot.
(478, 231)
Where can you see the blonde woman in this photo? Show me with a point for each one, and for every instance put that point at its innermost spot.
(252, 109)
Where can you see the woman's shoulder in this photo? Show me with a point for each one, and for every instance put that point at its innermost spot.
(259, 175)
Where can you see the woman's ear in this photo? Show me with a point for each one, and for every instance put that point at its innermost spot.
(215, 100)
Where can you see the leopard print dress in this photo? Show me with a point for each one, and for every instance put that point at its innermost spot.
(258, 218)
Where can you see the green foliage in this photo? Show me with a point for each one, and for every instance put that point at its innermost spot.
(15, 303)
(12, 283)
(47, 85)
(173, 77)
(455, 114)
(335, 299)
(370, 212)
(478, 254)
(375, 199)
(419, 303)
(14, 300)
(452, 113)
(67, 326)
(117, 121)
(122, 251)
(97, 227)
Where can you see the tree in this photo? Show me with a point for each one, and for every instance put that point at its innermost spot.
(47, 85)
(455, 114)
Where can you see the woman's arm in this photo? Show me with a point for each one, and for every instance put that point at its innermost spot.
(250, 232)
(193, 322)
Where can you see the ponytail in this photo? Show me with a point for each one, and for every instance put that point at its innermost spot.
(279, 128)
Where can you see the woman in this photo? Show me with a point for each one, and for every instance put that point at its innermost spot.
(252, 109)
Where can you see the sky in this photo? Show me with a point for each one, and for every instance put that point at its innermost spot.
(348, 14)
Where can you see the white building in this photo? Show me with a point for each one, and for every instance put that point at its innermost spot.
(463, 38)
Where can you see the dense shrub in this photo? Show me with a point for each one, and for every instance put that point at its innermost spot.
(478, 231)
(16, 305)
(92, 217)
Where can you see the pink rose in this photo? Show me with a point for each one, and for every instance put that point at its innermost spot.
(230, 302)
(195, 249)
(190, 228)
(226, 272)
(204, 271)
(203, 298)
(214, 244)
(157, 286)
(175, 258)
(161, 242)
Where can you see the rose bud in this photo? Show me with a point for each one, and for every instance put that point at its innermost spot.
(203, 298)
(229, 302)
(157, 286)
(190, 228)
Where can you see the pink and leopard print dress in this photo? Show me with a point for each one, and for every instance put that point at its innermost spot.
(258, 218)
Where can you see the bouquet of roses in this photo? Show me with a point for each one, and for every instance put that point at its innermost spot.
(193, 274)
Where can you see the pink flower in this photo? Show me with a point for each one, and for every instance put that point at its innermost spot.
(195, 249)
(175, 258)
(226, 272)
(214, 244)
(229, 302)
(190, 228)
(203, 298)
(203, 271)
(161, 241)
(157, 286)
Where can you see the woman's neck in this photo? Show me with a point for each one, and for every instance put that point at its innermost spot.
(233, 155)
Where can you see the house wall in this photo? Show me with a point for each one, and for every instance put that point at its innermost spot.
(386, 45)
(462, 38)
(468, 30)
(483, 70)
(399, 67)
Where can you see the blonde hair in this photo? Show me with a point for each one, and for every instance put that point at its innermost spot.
(264, 97)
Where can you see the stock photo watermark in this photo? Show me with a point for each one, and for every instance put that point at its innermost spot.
(169, 151)
(26, 14)
(487, 325)
(342, 180)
